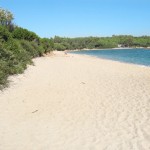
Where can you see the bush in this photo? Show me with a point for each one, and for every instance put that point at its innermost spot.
(3, 74)
(5, 35)
(24, 34)
(17, 47)
(26, 45)
(15, 54)
(59, 47)
(47, 44)
(17, 58)
(37, 49)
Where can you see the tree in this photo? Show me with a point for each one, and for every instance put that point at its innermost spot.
(6, 17)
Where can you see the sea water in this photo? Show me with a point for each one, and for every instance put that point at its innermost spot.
(135, 56)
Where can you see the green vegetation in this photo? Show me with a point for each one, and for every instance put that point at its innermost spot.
(17, 47)
(62, 43)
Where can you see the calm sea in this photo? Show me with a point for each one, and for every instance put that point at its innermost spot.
(135, 56)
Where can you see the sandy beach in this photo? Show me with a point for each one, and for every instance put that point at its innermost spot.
(73, 102)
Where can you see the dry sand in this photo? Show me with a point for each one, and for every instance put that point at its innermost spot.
(72, 102)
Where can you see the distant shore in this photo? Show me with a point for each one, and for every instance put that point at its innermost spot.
(108, 48)
(86, 49)
(76, 102)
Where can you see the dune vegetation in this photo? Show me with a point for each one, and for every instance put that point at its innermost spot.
(18, 46)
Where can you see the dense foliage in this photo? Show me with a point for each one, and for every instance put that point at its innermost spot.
(61, 43)
(17, 47)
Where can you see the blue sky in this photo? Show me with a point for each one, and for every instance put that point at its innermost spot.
(79, 18)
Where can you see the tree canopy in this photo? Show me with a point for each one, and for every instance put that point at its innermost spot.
(62, 43)
(6, 17)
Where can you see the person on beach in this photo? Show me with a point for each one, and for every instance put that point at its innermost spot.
(65, 52)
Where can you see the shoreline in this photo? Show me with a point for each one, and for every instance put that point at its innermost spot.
(85, 49)
(111, 60)
(76, 102)
(109, 49)
(126, 62)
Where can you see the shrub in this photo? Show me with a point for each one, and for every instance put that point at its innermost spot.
(26, 45)
(18, 59)
(24, 34)
(5, 35)
(47, 44)
(38, 49)
(17, 47)
(3, 74)
(59, 47)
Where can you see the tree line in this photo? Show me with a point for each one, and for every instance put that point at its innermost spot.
(18, 46)
(63, 43)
